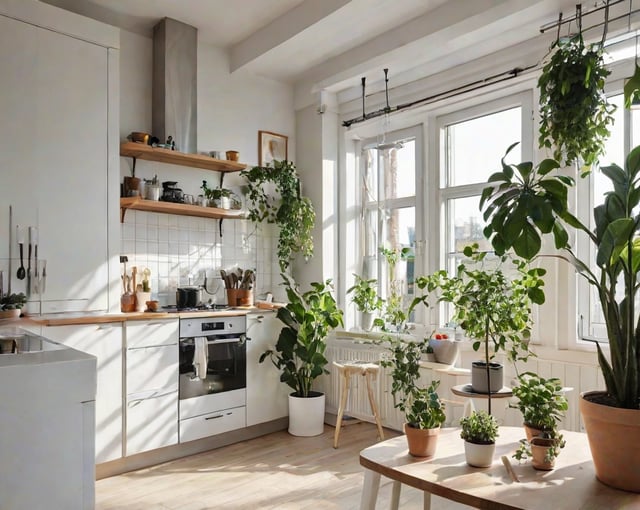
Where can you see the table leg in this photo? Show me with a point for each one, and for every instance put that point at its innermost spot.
(427, 500)
(395, 495)
(343, 403)
(370, 488)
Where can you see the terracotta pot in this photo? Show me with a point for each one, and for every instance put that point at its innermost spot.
(479, 455)
(422, 442)
(531, 432)
(614, 440)
(244, 297)
(232, 297)
(539, 448)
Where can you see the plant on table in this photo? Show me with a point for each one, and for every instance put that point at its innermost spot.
(525, 202)
(308, 317)
(493, 309)
(479, 428)
(541, 401)
(13, 301)
(291, 211)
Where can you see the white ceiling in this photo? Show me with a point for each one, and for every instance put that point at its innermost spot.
(331, 44)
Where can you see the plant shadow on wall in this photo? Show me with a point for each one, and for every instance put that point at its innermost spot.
(286, 207)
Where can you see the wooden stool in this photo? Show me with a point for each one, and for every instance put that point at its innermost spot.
(347, 369)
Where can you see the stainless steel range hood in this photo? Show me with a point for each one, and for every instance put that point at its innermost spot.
(175, 97)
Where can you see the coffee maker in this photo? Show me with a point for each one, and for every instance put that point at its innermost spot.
(170, 193)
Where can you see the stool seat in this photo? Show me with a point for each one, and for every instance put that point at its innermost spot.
(346, 369)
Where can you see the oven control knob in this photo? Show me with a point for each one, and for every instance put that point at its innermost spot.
(243, 339)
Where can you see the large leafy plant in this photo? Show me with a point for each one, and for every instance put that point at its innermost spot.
(524, 202)
(308, 318)
(574, 111)
(287, 208)
(541, 401)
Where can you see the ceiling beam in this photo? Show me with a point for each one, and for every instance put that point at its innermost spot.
(281, 30)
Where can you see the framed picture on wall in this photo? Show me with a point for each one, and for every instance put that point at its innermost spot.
(271, 146)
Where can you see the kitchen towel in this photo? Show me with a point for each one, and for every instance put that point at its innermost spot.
(200, 357)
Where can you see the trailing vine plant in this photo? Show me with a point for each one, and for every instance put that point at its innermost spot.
(288, 209)
(574, 112)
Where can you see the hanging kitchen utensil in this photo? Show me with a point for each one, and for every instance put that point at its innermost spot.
(30, 252)
(10, 248)
(1, 285)
(36, 280)
(43, 283)
(21, 273)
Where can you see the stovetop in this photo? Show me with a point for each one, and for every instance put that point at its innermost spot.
(202, 308)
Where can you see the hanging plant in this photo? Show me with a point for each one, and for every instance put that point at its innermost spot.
(574, 112)
(292, 212)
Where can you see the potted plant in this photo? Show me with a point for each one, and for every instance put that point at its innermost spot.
(217, 197)
(574, 111)
(291, 211)
(542, 449)
(299, 352)
(364, 295)
(541, 402)
(394, 316)
(422, 408)
(479, 431)
(11, 305)
(492, 309)
(525, 202)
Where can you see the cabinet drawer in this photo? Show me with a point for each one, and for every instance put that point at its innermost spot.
(149, 333)
(212, 424)
(152, 421)
(150, 368)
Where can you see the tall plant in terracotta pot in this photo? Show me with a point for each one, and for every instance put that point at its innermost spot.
(526, 202)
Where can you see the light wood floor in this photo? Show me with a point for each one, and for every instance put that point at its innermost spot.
(277, 471)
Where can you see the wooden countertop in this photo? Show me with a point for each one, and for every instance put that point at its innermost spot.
(69, 319)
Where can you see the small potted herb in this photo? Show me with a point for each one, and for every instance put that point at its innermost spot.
(11, 305)
(541, 402)
(364, 295)
(479, 431)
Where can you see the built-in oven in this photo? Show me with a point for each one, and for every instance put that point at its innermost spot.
(213, 375)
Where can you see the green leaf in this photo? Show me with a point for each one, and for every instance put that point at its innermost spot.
(632, 88)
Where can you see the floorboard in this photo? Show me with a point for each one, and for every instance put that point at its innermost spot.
(276, 471)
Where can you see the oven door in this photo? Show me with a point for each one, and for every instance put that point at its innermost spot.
(226, 365)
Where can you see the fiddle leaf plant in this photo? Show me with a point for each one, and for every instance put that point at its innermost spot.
(288, 209)
(574, 112)
(308, 317)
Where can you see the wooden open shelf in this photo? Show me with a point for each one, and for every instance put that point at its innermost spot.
(140, 204)
(142, 151)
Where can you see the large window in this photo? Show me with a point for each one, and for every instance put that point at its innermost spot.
(472, 143)
(389, 209)
(625, 134)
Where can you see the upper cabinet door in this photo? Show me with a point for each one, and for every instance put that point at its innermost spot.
(54, 129)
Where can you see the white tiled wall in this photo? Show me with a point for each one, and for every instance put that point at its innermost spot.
(175, 247)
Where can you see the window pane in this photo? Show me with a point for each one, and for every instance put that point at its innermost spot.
(474, 147)
(399, 166)
(465, 224)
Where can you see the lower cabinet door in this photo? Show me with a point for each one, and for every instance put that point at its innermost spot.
(212, 423)
(152, 420)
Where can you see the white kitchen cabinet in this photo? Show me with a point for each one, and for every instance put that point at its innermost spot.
(55, 117)
(151, 384)
(267, 397)
(105, 342)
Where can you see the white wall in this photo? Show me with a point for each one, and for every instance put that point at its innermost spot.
(232, 108)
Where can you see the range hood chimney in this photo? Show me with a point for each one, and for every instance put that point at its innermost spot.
(175, 97)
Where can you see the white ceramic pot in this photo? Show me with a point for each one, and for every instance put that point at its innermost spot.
(479, 455)
(306, 415)
(446, 351)
(141, 300)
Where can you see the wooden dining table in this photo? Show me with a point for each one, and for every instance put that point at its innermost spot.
(571, 485)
